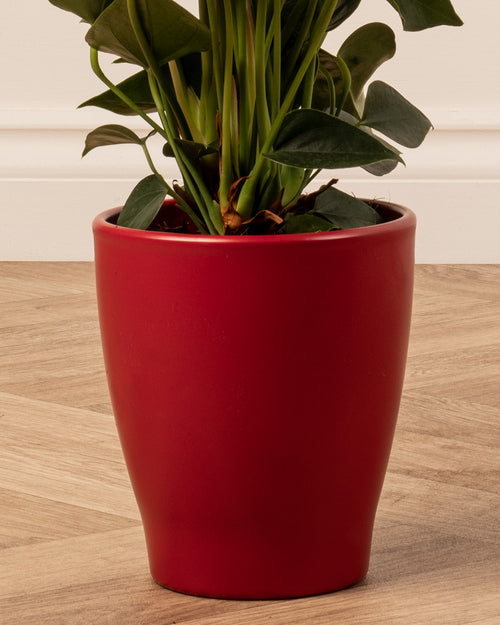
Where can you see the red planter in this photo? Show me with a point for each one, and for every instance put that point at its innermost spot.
(256, 384)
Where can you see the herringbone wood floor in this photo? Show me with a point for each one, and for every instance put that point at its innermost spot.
(72, 545)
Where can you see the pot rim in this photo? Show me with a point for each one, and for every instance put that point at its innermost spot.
(402, 218)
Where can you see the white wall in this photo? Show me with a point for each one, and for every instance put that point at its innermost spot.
(49, 195)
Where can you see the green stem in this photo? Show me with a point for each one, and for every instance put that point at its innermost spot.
(184, 205)
(226, 165)
(94, 56)
(191, 175)
(263, 118)
(311, 175)
(208, 94)
(245, 69)
(331, 87)
(307, 20)
(216, 29)
(247, 196)
(96, 68)
(151, 164)
(308, 86)
(182, 95)
(276, 98)
(346, 83)
(148, 53)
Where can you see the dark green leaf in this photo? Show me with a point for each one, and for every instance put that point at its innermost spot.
(136, 88)
(292, 16)
(113, 32)
(345, 211)
(315, 140)
(88, 10)
(343, 10)
(111, 134)
(321, 91)
(382, 167)
(390, 113)
(190, 66)
(171, 30)
(143, 204)
(365, 50)
(293, 11)
(194, 151)
(421, 14)
(297, 224)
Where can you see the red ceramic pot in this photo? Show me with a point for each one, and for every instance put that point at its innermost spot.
(256, 382)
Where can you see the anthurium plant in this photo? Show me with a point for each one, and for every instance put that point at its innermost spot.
(252, 108)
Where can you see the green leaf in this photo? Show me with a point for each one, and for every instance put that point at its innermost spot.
(321, 91)
(293, 9)
(110, 134)
(190, 66)
(171, 30)
(136, 88)
(364, 51)
(88, 10)
(314, 140)
(292, 16)
(382, 167)
(143, 203)
(422, 14)
(390, 113)
(345, 211)
(194, 151)
(297, 224)
(343, 10)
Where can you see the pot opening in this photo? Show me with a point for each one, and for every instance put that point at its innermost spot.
(172, 219)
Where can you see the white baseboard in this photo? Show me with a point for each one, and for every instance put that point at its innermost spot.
(49, 195)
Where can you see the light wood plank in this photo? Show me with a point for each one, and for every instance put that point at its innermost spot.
(49, 334)
(28, 520)
(65, 454)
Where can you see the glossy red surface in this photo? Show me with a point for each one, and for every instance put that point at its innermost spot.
(256, 384)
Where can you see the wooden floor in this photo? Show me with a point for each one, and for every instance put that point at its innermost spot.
(72, 548)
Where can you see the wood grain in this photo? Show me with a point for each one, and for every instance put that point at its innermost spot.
(71, 544)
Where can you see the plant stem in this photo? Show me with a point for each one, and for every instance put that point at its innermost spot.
(310, 176)
(226, 164)
(216, 32)
(263, 118)
(150, 161)
(184, 205)
(148, 53)
(346, 83)
(276, 99)
(208, 94)
(331, 87)
(308, 86)
(181, 94)
(304, 31)
(96, 68)
(245, 70)
(191, 175)
(247, 196)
